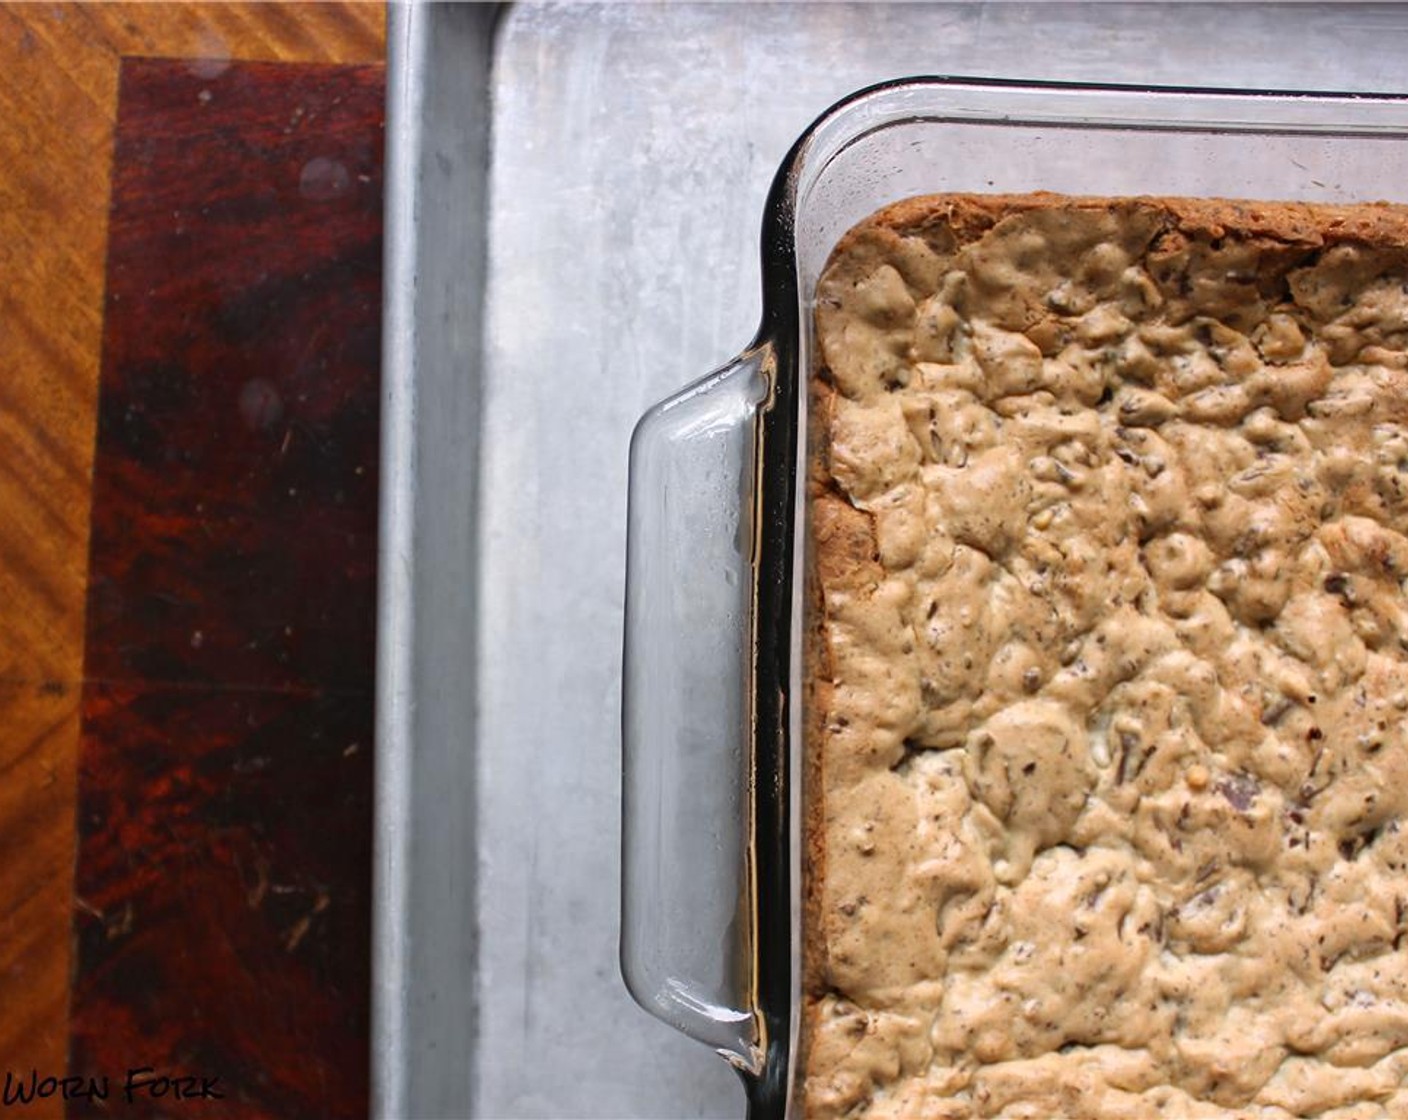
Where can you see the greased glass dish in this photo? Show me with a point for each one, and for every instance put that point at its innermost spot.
(713, 699)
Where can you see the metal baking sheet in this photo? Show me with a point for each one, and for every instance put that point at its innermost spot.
(574, 194)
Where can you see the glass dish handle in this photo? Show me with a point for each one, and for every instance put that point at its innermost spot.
(687, 914)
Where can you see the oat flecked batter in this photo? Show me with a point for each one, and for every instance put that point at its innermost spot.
(1108, 663)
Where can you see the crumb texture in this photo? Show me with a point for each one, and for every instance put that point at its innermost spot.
(1108, 663)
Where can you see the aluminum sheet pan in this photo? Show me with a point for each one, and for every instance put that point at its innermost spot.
(632, 146)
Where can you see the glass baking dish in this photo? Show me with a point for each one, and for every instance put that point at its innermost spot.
(713, 692)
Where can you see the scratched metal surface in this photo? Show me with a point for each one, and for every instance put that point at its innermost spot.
(632, 149)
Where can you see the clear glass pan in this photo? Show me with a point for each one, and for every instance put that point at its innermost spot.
(713, 692)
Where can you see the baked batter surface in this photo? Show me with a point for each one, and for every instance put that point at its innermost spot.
(1108, 663)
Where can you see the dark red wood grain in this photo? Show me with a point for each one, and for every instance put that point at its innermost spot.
(224, 861)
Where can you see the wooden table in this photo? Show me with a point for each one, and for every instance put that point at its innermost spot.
(59, 106)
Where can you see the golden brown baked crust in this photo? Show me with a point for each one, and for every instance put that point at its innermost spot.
(1107, 662)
